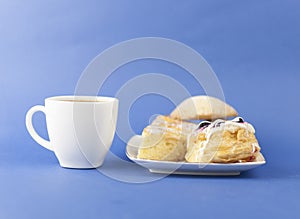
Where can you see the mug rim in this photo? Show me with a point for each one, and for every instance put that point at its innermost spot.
(88, 99)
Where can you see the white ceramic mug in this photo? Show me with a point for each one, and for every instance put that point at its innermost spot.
(80, 128)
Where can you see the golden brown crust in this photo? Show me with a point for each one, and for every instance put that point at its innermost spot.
(165, 139)
(223, 147)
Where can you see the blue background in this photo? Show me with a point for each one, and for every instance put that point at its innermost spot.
(254, 48)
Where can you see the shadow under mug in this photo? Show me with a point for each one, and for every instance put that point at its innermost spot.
(80, 128)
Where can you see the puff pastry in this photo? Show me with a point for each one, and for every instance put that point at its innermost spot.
(165, 139)
(223, 142)
(203, 108)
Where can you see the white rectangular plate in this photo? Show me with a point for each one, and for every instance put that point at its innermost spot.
(168, 167)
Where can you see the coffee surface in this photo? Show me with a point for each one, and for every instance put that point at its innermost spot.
(86, 101)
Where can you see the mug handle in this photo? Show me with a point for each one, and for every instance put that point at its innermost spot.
(31, 129)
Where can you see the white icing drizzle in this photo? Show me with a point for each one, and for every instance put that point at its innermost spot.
(221, 125)
(227, 126)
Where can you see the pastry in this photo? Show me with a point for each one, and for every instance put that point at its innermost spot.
(203, 108)
(223, 142)
(168, 122)
(165, 139)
